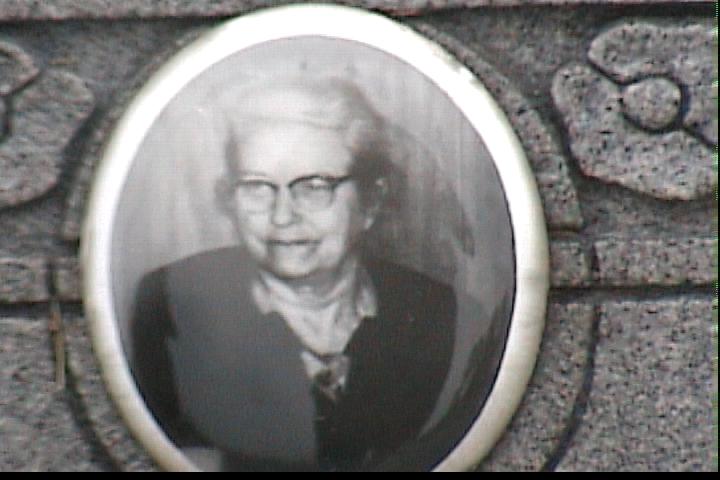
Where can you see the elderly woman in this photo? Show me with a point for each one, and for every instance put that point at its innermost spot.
(296, 350)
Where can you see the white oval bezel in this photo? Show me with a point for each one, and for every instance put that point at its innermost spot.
(468, 95)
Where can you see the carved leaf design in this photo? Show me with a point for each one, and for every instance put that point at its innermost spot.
(45, 116)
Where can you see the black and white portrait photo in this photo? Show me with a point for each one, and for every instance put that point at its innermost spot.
(311, 261)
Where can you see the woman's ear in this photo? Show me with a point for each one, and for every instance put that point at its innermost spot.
(377, 197)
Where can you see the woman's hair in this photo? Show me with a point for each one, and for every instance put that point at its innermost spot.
(323, 103)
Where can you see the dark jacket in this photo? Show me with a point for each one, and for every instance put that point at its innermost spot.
(216, 372)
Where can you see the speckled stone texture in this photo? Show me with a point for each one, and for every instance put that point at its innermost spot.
(104, 423)
(669, 261)
(63, 9)
(656, 64)
(569, 264)
(650, 403)
(39, 427)
(683, 54)
(23, 279)
(653, 103)
(556, 384)
(16, 68)
(610, 148)
(621, 382)
(66, 279)
(46, 116)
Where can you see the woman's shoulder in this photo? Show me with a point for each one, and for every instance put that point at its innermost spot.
(209, 273)
(208, 262)
(414, 300)
(401, 282)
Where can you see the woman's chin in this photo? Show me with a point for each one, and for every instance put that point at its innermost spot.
(303, 275)
(290, 270)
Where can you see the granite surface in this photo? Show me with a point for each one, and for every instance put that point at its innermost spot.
(670, 57)
(23, 279)
(615, 110)
(557, 384)
(116, 446)
(67, 9)
(569, 264)
(675, 261)
(66, 279)
(610, 148)
(659, 113)
(650, 406)
(46, 116)
(41, 427)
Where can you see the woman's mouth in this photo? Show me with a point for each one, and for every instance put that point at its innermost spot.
(291, 247)
(289, 243)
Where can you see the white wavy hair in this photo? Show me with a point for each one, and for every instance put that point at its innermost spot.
(325, 103)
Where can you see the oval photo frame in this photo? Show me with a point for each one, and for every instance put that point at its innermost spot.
(247, 169)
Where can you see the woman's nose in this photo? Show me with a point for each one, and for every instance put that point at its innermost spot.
(283, 212)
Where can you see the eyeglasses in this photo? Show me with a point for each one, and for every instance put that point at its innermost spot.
(311, 193)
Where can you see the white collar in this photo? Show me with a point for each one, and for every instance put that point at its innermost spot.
(324, 325)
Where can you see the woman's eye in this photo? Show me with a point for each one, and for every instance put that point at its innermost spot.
(256, 188)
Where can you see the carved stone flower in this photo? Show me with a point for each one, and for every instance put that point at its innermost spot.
(648, 121)
(39, 115)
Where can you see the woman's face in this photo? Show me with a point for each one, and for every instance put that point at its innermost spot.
(292, 239)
